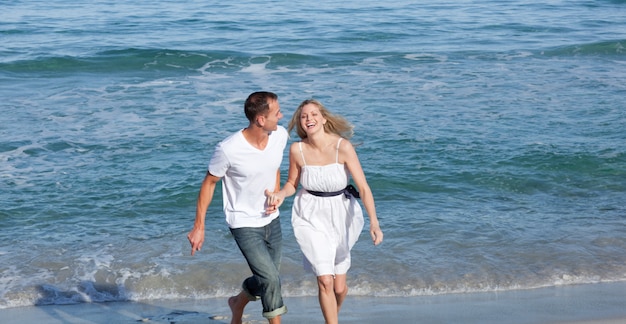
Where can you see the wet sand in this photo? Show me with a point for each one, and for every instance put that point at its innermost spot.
(582, 304)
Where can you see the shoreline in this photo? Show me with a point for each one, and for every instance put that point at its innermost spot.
(576, 304)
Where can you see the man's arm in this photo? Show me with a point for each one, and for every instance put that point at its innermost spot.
(277, 188)
(275, 199)
(196, 236)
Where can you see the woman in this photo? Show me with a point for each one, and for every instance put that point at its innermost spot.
(326, 217)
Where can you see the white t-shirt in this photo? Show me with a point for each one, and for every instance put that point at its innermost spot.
(246, 172)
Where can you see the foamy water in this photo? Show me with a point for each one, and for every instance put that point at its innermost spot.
(492, 134)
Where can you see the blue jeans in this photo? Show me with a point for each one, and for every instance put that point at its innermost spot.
(262, 247)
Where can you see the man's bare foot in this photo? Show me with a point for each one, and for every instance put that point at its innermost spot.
(237, 304)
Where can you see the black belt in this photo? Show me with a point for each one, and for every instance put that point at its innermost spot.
(350, 190)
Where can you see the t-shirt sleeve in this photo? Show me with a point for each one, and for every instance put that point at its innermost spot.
(284, 136)
(219, 162)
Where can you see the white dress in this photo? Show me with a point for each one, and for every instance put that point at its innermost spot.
(326, 228)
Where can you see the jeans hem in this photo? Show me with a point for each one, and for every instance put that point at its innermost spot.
(277, 312)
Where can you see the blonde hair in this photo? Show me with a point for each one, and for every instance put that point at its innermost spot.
(334, 124)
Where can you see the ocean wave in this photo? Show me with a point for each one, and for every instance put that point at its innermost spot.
(152, 60)
(196, 284)
(176, 62)
(609, 49)
(126, 60)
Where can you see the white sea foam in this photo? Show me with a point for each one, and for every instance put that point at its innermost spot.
(494, 149)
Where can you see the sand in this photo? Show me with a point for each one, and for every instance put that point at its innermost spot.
(592, 303)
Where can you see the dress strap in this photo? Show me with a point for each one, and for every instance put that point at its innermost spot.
(337, 153)
(301, 153)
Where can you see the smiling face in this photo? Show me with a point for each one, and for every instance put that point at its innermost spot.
(311, 119)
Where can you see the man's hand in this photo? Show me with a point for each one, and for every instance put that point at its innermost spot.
(196, 238)
(274, 200)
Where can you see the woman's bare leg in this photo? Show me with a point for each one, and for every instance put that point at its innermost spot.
(327, 299)
(341, 290)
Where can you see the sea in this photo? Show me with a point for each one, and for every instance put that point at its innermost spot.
(492, 134)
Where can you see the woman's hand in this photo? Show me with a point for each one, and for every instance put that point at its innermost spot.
(377, 234)
(273, 201)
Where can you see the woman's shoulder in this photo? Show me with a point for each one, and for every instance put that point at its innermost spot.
(295, 147)
(346, 150)
(344, 143)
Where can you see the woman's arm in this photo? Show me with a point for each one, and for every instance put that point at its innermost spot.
(276, 199)
(348, 154)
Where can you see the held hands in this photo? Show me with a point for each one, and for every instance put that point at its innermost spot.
(274, 200)
(377, 234)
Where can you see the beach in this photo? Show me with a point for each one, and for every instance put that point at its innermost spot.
(592, 303)
(492, 135)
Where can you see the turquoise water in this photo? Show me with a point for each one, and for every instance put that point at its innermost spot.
(493, 135)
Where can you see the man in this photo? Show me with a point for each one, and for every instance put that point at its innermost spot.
(249, 162)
